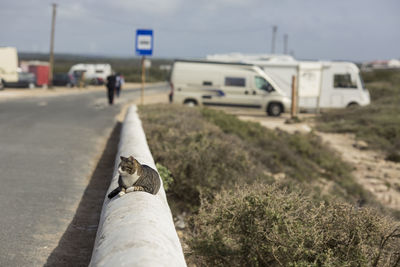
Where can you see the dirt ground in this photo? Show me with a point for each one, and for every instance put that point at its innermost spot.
(371, 170)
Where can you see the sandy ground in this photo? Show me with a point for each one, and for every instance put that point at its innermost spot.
(371, 170)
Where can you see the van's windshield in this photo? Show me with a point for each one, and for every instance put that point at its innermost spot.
(262, 84)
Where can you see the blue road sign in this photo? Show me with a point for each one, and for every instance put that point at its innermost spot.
(144, 42)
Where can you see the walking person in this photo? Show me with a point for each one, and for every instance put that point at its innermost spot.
(111, 82)
(118, 85)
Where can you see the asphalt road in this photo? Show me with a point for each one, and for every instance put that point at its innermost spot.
(49, 149)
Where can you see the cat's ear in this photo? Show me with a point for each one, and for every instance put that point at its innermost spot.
(122, 158)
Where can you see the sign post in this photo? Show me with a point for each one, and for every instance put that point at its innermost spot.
(144, 47)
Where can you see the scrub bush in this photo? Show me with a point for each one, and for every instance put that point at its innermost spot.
(261, 225)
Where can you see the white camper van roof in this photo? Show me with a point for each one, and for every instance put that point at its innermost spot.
(214, 62)
(238, 57)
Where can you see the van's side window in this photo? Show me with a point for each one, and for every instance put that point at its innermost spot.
(207, 83)
(262, 84)
(235, 81)
(344, 81)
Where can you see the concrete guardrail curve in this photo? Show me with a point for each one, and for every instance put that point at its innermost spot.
(136, 229)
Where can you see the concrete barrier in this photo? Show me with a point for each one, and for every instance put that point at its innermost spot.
(136, 229)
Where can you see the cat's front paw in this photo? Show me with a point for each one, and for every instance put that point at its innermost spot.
(130, 189)
(120, 194)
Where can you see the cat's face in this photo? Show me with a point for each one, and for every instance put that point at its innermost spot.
(127, 166)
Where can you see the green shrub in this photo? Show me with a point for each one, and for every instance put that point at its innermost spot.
(165, 175)
(261, 225)
(382, 83)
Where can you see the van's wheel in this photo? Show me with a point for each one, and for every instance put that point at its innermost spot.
(353, 105)
(190, 103)
(274, 109)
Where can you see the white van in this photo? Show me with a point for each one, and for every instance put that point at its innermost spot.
(226, 84)
(320, 84)
(92, 72)
(8, 65)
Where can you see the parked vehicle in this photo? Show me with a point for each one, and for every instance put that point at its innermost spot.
(64, 79)
(41, 70)
(25, 80)
(320, 84)
(8, 65)
(226, 84)
(91, 73)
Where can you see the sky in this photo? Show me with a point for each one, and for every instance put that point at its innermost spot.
(355, 30)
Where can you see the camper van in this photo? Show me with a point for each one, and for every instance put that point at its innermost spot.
(8, 65)
(320, 84)
(226, 84)
(95, 73)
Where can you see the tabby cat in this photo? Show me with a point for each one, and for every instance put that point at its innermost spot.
(135, 177)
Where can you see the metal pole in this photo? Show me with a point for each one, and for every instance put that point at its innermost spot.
(53, 24)
(143, 80)
(274, 29)
(294, 97)
(285, 44)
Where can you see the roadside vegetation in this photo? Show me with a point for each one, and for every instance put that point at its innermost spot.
(130, 68)
(259, 197)
(379, 123)
(261, 225)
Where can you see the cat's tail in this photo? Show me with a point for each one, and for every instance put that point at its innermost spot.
(114, 192)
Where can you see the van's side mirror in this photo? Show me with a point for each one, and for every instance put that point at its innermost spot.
(268, 88)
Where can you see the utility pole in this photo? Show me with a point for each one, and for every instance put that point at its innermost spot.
(285, 44)
(274, 30)
(53, 24)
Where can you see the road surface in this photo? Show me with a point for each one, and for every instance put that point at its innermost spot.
(56, 158)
